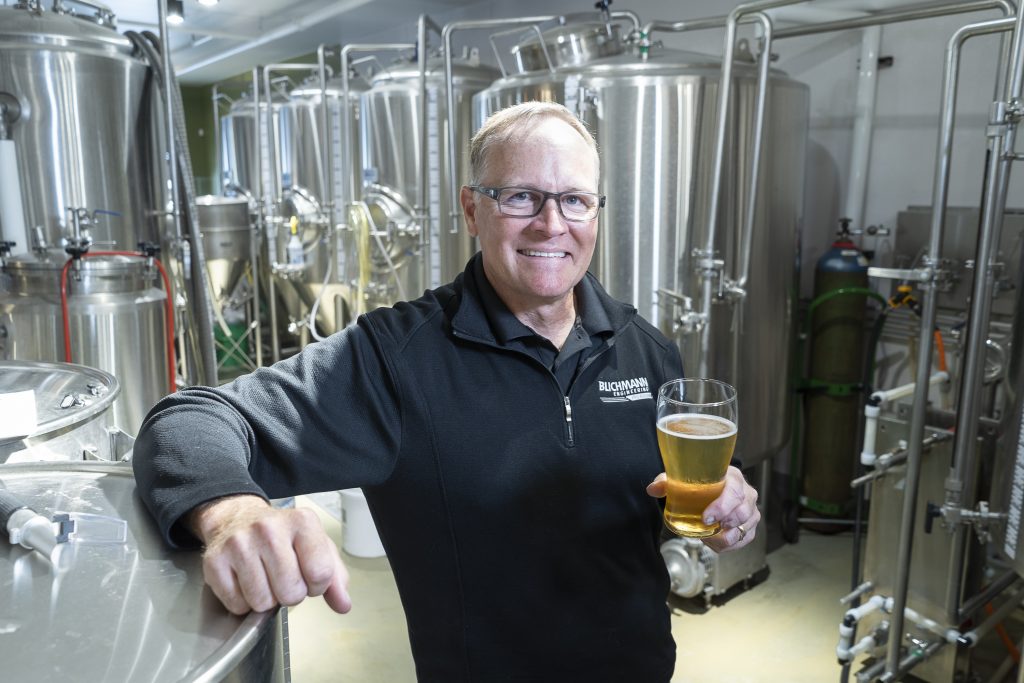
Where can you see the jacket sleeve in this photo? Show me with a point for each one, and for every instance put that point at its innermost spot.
(328, 418)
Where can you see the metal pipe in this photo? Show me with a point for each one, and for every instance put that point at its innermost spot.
(633, 17)
(707, 268)
(421, 209)
(215, 98)
(254, 250)
(325, 140)
(1016, 80)
(912, 14)
(928, 314)
(172, 155)
(449, 87)
(755, 163)
(1002, 132)
(971, 638)
(261, 222)
(912, 660)
(685, 25)
(1005, 580)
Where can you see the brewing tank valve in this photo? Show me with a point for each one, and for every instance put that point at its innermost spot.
(5, 251)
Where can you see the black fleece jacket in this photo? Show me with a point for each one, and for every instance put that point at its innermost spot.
(514, 516)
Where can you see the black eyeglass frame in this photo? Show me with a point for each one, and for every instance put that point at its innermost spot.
(495, 192)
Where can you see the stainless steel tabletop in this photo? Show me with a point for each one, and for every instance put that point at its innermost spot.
(136, 611)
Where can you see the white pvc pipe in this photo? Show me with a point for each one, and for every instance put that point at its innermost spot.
(867, 454)
(906, 390)
(863, 126)
(849, 624)
(12, 211)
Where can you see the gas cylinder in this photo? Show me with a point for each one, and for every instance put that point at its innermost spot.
(832, 400)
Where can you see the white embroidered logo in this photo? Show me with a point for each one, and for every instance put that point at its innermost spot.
(619, 391)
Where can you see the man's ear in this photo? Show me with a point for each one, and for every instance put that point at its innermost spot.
(469, 209)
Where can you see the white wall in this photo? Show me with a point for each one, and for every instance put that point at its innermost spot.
(906, 123)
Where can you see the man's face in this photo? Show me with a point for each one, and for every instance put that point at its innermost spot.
(535, 262)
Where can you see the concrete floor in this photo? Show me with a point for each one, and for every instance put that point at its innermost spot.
(782, 630)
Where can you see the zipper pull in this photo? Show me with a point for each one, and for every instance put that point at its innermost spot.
(568, 419)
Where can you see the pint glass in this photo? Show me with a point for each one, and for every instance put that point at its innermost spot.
(697, 424)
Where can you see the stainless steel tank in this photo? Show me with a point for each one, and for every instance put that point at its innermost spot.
(82, 131)
(119, 611)
(299, 186)
(655, 120)
(72, 418)
(227, 231)
(240, 146)
(116, 317)
(303, 172)
(392, 151)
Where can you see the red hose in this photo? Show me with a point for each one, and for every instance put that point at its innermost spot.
(168, 310)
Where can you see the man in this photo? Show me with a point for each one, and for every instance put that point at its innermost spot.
(509, 497)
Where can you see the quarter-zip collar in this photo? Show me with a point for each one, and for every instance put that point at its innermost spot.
(481, 315)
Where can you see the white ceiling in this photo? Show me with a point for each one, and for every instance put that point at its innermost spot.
(231, 37)
(216, 43)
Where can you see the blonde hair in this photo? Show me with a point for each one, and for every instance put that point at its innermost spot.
(507, 124)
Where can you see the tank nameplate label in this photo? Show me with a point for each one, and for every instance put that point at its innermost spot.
(1016, 495)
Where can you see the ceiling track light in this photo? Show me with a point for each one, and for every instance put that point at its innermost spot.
(175, 12)
(208, 3)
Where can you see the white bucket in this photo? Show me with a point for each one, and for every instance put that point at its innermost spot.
(358, 534)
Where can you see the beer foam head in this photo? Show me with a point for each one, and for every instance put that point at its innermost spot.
(696, 426)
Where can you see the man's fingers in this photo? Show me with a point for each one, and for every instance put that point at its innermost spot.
(658, 487)
(736, 503)
(281, 564)
(264, 557)
(320, 562)
(219, 576)
(250, 573)
(336, 595)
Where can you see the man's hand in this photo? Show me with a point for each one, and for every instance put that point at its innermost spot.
(735, 508)
(258, 557)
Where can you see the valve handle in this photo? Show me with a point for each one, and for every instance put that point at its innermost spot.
(931, 512)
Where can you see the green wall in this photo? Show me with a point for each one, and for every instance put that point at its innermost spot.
(199, 125)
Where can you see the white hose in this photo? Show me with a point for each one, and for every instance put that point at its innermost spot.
(316, 304)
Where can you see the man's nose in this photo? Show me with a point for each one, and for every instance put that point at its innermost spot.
(550, 219)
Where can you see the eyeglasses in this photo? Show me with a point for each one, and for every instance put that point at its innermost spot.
(525, 202)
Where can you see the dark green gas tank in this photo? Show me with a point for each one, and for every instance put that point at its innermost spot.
(833, 403)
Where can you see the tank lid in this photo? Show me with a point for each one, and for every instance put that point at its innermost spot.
(54, 259)
(65, 394)
(73, 28)
(310, 88)
(464, 71)
(660, 62)
(217, 200)
(243, 105)
(569, 45)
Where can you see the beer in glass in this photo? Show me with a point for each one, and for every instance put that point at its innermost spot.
(697, 424)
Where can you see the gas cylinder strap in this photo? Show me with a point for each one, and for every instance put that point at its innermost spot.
(838, 389)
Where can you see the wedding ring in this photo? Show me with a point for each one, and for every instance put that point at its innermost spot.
(743, 532)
